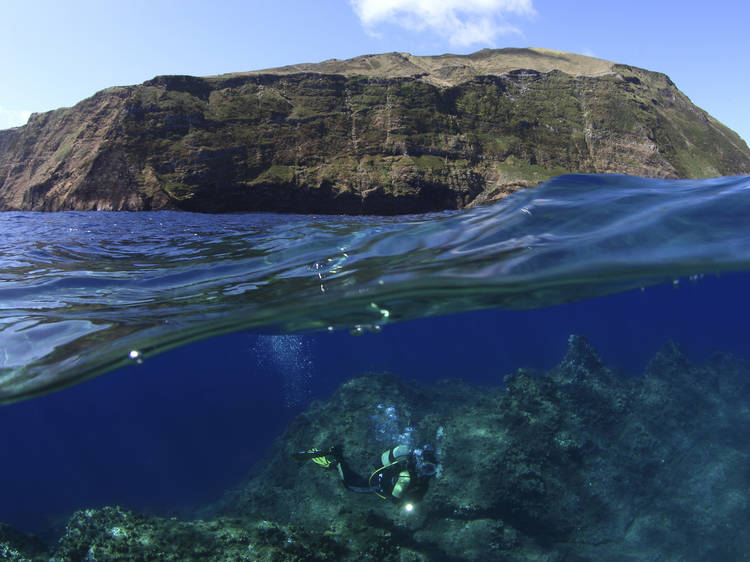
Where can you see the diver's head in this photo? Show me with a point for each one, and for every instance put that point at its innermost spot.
(425, 461)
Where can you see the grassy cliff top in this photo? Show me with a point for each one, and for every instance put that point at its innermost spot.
(450, 70)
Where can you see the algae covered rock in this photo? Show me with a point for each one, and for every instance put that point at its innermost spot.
(379, 134)
(112, 533)
(20, 547)
(577, 463)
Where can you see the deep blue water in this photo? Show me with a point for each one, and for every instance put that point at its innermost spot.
(629, 263)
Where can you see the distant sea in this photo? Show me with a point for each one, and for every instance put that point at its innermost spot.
(148, 360)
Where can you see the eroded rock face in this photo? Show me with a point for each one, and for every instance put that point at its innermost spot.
(382, 134)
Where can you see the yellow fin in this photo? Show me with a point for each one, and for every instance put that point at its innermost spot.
(322, 461)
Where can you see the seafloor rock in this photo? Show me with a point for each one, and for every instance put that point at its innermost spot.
(574, 464)
(578, 462)
(115, 534)
(378, 134)
(18, 547)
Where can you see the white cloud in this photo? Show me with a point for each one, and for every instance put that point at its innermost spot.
(461, 22)
(13, 117)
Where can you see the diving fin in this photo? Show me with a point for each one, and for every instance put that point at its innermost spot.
(318, 457)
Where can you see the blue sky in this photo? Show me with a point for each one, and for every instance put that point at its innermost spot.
(53, 54)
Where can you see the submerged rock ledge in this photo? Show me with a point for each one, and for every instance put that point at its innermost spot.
(578, 463)
(377, 134)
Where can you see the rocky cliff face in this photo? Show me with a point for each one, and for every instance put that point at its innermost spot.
(381, 134)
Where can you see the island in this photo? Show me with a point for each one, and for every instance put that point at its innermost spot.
(377, 134)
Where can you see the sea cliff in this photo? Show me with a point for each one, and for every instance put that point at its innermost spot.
(378, 134)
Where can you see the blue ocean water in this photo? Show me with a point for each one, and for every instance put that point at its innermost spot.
(149, 360)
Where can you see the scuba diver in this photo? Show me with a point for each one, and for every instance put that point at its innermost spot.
(401, 474)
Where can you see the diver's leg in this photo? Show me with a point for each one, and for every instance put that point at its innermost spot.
(351, 480)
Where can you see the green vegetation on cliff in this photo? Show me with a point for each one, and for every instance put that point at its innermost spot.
(379, 134)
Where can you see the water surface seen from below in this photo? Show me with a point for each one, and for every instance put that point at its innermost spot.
(82, 293)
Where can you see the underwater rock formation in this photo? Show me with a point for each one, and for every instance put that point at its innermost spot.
(17, 547)
(115, 534)
(378, 134)
(578, 463)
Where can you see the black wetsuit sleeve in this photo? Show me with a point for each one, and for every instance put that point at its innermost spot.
(351, 479)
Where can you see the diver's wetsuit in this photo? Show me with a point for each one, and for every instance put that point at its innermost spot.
(351, 480)
(402, 474)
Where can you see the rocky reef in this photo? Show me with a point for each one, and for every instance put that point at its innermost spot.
(578, 463)
(378, 134)
(17, 547)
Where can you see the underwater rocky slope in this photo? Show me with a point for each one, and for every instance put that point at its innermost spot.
(578, 463)
(378, 134)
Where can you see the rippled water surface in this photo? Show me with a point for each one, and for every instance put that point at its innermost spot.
(83, 293)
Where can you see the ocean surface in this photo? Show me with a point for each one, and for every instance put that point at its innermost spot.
(148, 360)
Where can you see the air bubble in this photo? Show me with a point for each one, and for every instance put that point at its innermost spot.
(290, 358)
(384, 312)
